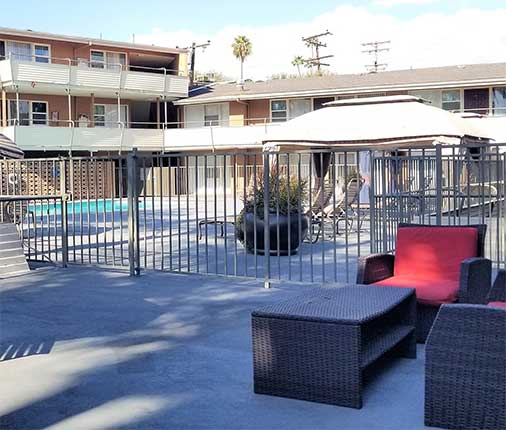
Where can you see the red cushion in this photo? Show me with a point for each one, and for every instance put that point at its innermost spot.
(434, 253)
(497, 304)
(429, 292)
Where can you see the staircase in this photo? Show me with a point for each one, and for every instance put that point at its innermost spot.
(12, 257)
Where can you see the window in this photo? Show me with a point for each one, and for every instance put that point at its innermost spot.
(97, 59)
(2, 50)
(19, 50)
(211, 115)
(99, 115)
(24, 112)
(109, 60)
(297, 107)
(115, 60)
(39, 113)
(41, 53)
(30, 113)
(279, 111)
(105, 115)
(451, 100)
(499, 101)
(283, 110)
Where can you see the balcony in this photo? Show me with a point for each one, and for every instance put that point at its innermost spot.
(83, 78)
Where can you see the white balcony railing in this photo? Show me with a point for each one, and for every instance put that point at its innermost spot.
(70, 138)
(83, 76)
(118, 137)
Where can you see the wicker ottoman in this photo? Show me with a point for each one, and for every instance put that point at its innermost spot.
(316, 346)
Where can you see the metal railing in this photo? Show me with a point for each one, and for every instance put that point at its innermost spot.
(207, 213)
(92, 64)
(44, 236)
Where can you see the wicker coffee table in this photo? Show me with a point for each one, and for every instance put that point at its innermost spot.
(316, 346)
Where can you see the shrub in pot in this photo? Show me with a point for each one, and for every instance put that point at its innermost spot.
(287, 224)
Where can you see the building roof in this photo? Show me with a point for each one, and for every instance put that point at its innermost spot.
(395, 80)
(88, 40)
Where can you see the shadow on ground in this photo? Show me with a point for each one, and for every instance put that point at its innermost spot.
(161, 351)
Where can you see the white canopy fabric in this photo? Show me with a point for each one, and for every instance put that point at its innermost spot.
(495, 126)
(375, 121)
(8, 149)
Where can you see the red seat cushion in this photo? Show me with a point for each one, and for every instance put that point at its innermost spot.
(497, 304)
(429, 259)
(429, 292)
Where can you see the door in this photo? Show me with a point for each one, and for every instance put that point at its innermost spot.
(476, 100)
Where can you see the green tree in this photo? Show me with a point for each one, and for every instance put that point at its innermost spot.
(298, 61)
(242, 49)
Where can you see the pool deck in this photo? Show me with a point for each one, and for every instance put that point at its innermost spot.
(85, 348)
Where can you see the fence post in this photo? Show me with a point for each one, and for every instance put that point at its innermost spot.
(64, 229)
(133, 213)
(267, 236)
(372, 203)
(64, 212)
(439, 184)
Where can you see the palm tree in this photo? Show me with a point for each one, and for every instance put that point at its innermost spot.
(241, 49)
(298, 61)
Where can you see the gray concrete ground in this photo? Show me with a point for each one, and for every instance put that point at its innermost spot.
(84, 348)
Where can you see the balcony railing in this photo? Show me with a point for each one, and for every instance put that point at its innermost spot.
(74, 75)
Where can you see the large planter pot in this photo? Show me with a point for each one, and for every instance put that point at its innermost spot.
(289, 238)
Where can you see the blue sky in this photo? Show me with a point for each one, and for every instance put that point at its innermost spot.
(119, 19)
(423, 33)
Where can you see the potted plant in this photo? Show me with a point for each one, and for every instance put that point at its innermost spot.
(287, 220)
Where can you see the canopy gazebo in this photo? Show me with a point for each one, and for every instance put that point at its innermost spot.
(8, 149)
(391, 124)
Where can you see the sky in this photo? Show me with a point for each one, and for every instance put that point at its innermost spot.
(423, 33)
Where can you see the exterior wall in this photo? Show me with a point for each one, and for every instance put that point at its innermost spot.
(238, 112)
(63, 50)
(258, 110)
(80, 105)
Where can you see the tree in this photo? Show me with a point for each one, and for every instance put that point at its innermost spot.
(298, 61)
(241, 49)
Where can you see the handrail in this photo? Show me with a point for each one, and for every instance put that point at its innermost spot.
(24, 198)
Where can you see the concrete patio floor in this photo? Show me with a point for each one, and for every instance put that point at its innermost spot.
(87, 348)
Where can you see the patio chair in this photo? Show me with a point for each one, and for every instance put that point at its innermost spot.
(445, 264)
(497, 294)
(321, 200)
(342, 211)
(465, 368)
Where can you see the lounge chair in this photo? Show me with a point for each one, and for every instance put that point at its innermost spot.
(445, 264)
(343, 210)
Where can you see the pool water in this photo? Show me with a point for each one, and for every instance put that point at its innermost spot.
(82, 207)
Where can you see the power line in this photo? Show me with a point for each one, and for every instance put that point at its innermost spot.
(315, 44)
(192, 49)
(374, 48)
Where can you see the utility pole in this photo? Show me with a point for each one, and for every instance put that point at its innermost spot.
(192, 50)
(374, 48)
(315, 44)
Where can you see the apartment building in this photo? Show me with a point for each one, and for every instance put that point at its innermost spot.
(479, 88)
(63, 93)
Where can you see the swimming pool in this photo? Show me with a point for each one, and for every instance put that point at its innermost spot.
(82, 207)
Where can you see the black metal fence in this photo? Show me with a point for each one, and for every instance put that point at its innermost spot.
(308, 218)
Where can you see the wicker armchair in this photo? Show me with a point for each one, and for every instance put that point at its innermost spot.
(465, 368)
(473, 282)
(498, 291)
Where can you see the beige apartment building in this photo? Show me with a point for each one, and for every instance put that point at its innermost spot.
(477, 88)
(61, 93)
